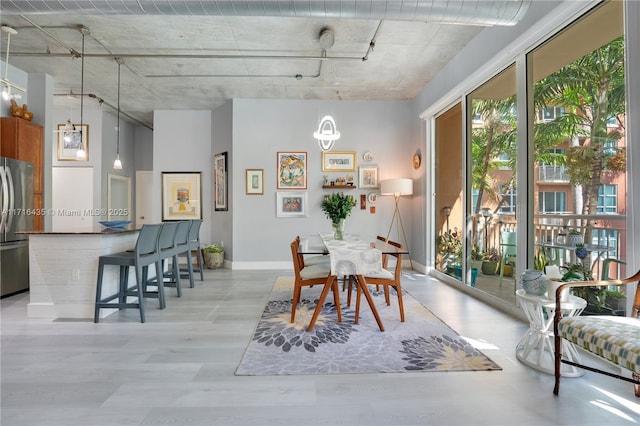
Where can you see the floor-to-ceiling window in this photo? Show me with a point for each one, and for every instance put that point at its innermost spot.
(579, 142)
(576, 160)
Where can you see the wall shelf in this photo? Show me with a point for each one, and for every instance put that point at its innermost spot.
(339, 187)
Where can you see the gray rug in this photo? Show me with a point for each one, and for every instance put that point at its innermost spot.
(422, 343)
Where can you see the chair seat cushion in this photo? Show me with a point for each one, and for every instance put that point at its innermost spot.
(315, 271)
(616, 339)
(382, 274)
(316, 260)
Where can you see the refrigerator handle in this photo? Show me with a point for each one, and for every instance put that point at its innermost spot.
(5, 199)
(12, 203)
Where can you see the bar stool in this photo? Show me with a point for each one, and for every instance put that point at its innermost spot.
(194, 244)
(167, 244)
(182, 246)
(141, 257)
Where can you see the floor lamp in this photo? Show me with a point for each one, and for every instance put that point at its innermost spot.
(397, 187)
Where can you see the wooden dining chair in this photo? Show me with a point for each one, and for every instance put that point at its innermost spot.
(310, 276)
(384, 278)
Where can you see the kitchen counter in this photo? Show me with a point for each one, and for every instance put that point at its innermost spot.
(63, 268)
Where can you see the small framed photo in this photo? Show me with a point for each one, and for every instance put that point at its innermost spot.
(338, 161)
(368, 177)
(181, 195)
(292, 170)
(220, 182)
(291, 204)
(255, 181)
(70, 142)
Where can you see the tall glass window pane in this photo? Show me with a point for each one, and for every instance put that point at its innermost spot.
(491, 149)
(579, 164)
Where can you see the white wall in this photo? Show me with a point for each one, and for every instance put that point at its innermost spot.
(182, 143)
(262, 128)
(222, 141)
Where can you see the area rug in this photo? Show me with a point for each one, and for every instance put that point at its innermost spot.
(422, 343)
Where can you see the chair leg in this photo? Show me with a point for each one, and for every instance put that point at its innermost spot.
(336, 297)
(160, 282)
(190, 269)
(176, 274)
(400, 304)
(96, 312)
(295, 301)
(141, 287)
(200, 263)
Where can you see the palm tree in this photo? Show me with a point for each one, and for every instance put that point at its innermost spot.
(591, 89)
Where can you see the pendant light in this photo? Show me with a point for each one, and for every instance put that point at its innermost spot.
(81, 154)
(117, 164)
(6, 91)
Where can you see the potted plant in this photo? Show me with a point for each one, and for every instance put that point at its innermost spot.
(337, 207)
(491, 262)
(574, 237)
(450, 250)
(477, 257)
(213, 256)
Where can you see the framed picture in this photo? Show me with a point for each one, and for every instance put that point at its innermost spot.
(220, 182)
(368, 177)
(292, 170)
(291, 204)
(255, 180)
(181, 196)
(338, 161)
(69, 143)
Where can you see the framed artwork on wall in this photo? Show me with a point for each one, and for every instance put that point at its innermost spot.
(220, 182)
(291, 204)
(368, 177)
(338, 161)
(255, 181)
(70, 142)
(181, 196)
(292, 170)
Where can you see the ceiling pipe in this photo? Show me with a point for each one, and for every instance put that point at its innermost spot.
(463, 12)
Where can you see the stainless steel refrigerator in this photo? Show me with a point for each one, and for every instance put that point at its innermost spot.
(16, 201)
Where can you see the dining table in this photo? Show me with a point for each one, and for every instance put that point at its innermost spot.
(349, 257)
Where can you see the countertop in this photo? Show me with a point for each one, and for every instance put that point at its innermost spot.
(97, 231)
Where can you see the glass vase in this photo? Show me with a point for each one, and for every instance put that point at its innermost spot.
(338, 230)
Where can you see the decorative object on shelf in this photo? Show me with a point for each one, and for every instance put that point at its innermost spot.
(70, 141)
(417, 159)
(291, 204)
(6, 92)
(372, 197)
(337, 207)
(181, 195)
(368, 177)
(115, 224)
(292, 170)
(367, 156)
(339, 161)
(20, 111)
(255, 179)
(213, 256)
(220, 184)
(117, 164)
(397, 188)
(325, 180)
(534, 282)
(327, 133)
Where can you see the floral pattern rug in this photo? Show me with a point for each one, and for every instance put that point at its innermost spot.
(422, 343)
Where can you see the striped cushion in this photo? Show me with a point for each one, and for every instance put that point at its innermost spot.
(616, 339)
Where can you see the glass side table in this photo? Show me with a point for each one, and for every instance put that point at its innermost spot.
(536, 348)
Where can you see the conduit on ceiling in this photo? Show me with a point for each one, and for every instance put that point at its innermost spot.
(463, 12)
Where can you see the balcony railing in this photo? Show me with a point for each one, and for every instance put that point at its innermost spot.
(550, 173)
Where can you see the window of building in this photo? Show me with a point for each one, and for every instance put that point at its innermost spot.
(552, 202)
(608, 199)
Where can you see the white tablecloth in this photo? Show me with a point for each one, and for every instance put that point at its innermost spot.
(352, 256)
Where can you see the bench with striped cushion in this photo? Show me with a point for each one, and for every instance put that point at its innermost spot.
(612, 338)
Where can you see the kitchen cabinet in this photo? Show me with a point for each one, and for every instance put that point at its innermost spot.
(24, 140)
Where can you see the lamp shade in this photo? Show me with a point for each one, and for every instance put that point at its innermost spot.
(396, 187)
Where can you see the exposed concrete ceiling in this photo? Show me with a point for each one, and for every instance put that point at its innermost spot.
(197, 55)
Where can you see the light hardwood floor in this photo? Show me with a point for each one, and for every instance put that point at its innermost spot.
(178, 369)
